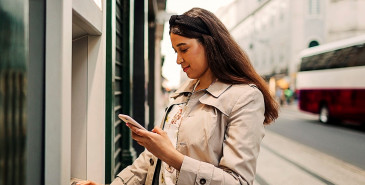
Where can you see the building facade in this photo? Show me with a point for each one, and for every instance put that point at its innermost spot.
(274, 32)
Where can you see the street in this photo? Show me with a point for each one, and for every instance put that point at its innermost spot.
(297, 149)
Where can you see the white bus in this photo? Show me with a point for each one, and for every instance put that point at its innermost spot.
(331, 80)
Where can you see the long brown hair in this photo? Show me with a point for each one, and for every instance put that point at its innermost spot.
(227, 61)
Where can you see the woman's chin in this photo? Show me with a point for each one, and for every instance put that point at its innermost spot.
(191, 76)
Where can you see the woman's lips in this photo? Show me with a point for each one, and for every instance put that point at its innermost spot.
(186, 68)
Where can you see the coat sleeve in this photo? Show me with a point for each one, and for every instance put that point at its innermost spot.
(136, 173)
(241, 147)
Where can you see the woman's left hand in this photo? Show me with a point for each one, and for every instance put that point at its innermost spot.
(159, 144)
(86, 183)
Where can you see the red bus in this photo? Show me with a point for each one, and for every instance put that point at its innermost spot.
(331, 80)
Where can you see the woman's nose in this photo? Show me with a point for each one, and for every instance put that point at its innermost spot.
(179, 60)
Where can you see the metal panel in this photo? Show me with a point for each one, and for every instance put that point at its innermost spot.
(118, 154)
(13, 53)
(35, 94)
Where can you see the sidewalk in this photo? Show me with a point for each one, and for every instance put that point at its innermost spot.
(291, 106)
(285, 162)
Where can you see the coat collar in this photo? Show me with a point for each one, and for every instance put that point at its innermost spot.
(216, 89)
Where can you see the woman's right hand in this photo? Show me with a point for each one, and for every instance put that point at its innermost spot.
(158, 143)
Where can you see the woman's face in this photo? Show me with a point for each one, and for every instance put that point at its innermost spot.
(191, 56)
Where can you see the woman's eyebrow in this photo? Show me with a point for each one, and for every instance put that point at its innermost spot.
(180, 44)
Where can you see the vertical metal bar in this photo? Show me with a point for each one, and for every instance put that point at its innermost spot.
(128, 153)
(109, 147)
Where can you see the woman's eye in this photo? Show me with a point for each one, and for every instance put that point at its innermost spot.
(184, 50)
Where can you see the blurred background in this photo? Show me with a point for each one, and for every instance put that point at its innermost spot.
(69, 67)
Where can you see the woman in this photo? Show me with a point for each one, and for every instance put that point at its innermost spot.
(213, 129)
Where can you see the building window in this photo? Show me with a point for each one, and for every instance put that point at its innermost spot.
(281, 17)
(313, 43)
(314, 7)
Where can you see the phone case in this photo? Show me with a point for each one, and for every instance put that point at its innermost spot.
(130, 120)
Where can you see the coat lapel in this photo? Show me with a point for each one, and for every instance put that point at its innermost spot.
(212, 98)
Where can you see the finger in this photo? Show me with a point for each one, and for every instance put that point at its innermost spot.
(137, 130)
(83, 183)
(136, 137)
(133, 128)
(140, 139)
(140, 132)
(158, 130)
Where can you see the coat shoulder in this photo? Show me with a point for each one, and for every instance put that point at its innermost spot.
(243, 91)
(237, 93)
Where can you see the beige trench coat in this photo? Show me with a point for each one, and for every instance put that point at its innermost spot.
(220, 138)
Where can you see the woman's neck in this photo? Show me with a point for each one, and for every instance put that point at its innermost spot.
(204, 82)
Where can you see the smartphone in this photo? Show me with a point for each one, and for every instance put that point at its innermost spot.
(130, 120)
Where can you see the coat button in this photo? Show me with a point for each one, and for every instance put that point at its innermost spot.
(152, 162)
(202, 181)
